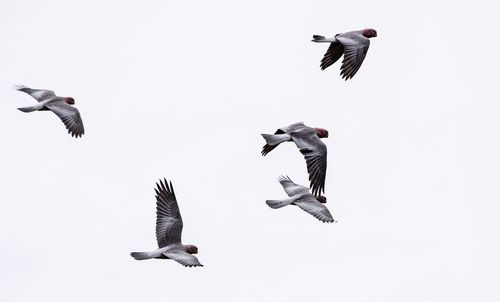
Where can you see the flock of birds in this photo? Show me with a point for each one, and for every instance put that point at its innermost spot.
(352, 45)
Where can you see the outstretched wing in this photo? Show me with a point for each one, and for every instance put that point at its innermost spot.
(334, 52)
(355, 49)
(314, 151)
(38, 94)
(70, 117)
(168, 218)
(183, 258)
(315, 208)
(292, 188)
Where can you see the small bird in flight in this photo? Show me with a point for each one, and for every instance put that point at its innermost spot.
(169, 230)
(353, 45)
(310, 145)
(61, 106)
(300, 196)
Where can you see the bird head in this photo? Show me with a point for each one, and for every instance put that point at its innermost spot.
(321, 132)
(191, 249)
(369, 33)
(321, 199)
(69, 100)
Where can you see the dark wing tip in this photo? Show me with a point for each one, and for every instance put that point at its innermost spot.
(76, 134)
(163, 183)
(73, 124)
(345, 76)
(19, 87)
(284, 178)
(165, 188)
(172, 189)
(316, 168)
(332, 55)
(159, 190)
(266, 149)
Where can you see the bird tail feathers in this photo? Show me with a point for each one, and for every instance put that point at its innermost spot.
(276, 139)
(28, 109)
(35, 107)
(140, 255)
(318, 38)
(276, 204)
(273, 140)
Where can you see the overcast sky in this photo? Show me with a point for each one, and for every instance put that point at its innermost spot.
(183, 89)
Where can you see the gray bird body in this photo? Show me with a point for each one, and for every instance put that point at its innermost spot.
(309, 144)
(300, 196)
(353, 45)
(47, 100)
(168, 230)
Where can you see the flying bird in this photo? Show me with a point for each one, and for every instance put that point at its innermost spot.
(300, 196)
(61, 106)
(353, 45)
(169, 230)
(308, 141)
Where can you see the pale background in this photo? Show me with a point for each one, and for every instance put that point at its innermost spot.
(183, 89)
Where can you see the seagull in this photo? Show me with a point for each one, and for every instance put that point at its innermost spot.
(308, 141)
(61, 106)
(300, 196)
(353, 45)
(169, 230)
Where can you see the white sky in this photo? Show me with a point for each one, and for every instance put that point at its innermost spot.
(183, 90)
